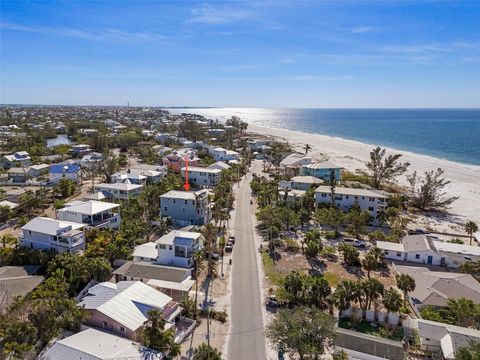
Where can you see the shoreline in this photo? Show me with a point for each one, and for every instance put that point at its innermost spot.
(352, 154)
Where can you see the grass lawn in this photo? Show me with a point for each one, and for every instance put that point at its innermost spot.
(366, 328)
(273, 275)
(333, 279)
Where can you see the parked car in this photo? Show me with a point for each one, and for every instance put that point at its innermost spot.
(214, 256)
(272, 301)
(228, 248)
(231, 239)
(355, 242)
(417, 232)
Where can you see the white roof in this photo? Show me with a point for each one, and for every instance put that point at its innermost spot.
(90, 207)
(147, 250)
(9, 204)
(49, 226)
(456, 248)
(219, 165)
(119, 186)
(322, 165)
(306, 179)
(202, 169)
(292, 159)
(92, 344)
(352, 191)
(185, 285)
(390, 246)
(121, 301)
(99, 195)
(176, 236)
(185, 195)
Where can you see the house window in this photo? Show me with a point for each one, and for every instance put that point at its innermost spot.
(170, 247)
(185, 202)
(174, 201)
(165, 208)
(386, 252)
(370, 208)
(324, 195)
(162, 246)
(122, 329)
(183, 209)
(104, 324)
(347, 197)
(417, 256)
(399, 254)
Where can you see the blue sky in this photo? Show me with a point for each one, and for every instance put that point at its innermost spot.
(241, 54)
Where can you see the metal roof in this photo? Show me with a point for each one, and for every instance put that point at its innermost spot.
(351, 191)
(49, 226)
(90, 207)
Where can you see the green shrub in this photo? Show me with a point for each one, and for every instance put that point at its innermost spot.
(330, 235)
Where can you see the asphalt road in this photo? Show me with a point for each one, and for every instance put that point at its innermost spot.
(247, 338)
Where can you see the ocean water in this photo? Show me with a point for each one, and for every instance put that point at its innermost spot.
(452, 134)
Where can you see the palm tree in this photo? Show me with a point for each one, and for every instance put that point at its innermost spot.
(470, 229)
(392, 300)
(307, 148)
(372, 290)
(199, 267)
(206, 352)
(369, 263)
(209, 231)
(405, 283)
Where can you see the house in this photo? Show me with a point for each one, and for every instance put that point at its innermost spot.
(122, 307)
(176, 160)
(38, 170)
(146, 167)
(16, 281)
(322, 170)
(435, 287)
(300, 183)
(8, 204)
(129, 177)
(93, 344)
(94, 214)
(446, 338)
(219, 165)
(65, 171)
(17, 159)
(425, 249)
(186, 207)
(81, 149)
(202, 177)
(215, 132)
(369, 200)
(161, 149)
(119, 191)
(55, 235)
(259, 144)
(176, 282)
(290, 195)
(173, 249)
(221, 154)
(91, 160)
(292, 163)
(18, 174)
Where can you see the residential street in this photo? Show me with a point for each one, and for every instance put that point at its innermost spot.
(247, 338)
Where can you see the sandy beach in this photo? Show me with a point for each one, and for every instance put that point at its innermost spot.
(465, 179)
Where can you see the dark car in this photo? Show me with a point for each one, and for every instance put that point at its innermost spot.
(231, 239)
(272, 301)
(214, 256)
(228, 248)
(417, 232)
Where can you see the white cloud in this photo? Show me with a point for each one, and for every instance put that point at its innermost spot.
(211, 15)
(361, 29)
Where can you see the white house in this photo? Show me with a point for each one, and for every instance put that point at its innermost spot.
(173, 249)
(345, 198)
(202, 177)
(435, 336)
(17, 159)
(300, 183)
(186, 207)
(259, 144)
(56, 235)
(322, 170)
(91, 160)
(424, 249)
(219, 165)
(293, 162)
(58, 172)
(221, 154)
(129, 177)
(119, 191)
(94, 214)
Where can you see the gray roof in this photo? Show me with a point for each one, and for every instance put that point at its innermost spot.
(92, 344)
(306, 179)
(178, 237)
(435, 287)
(153, 271)
(16, 281)
(352, 191)
(415, 243)
(50, 226)
(322, 165)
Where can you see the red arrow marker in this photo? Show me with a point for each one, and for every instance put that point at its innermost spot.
(186, 185)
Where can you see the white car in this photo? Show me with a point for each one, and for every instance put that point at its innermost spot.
(355, 242)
